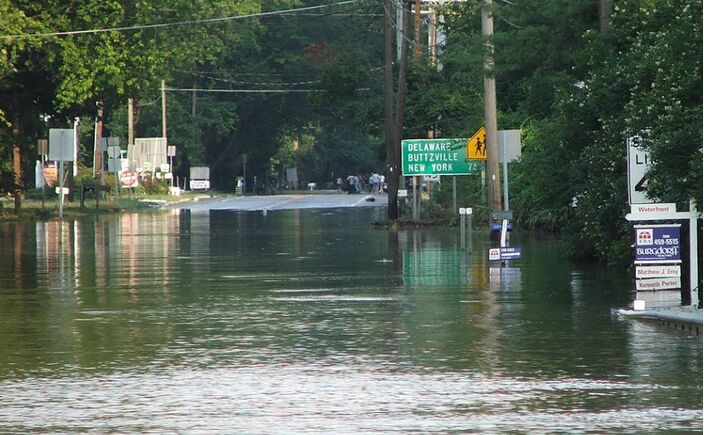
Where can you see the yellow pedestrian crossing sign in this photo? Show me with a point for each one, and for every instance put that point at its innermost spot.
(476, 145)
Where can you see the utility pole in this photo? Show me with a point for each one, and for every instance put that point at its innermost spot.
(17, 163)
(97, 147)
(416, 39)
(130, 122)
(163, 109)
(394, 120)
(490, 107)
(432, 37)
(193, 102)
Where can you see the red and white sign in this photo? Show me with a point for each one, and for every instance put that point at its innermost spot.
(658, 284)
(129, 179)
(644, 237)
(658, 271)
(494, 254)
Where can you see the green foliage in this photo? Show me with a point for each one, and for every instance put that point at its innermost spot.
(153, 186)
(7, 179)
(576, 92)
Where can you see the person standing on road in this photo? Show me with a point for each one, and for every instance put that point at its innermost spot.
(374, 182)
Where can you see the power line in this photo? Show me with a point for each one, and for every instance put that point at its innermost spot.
(178, 23)
(237, 82)
(250, 91)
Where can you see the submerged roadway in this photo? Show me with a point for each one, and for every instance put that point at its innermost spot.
(282, 202)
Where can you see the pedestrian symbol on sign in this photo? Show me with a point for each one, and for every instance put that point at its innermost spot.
(476, 145)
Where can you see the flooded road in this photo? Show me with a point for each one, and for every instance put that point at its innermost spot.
(313, 321)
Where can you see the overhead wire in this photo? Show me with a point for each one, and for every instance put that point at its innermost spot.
(173, 24)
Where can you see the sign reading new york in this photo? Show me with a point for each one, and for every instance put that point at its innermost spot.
(436, 157)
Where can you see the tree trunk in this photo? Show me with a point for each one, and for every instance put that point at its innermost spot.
(394, 125)
(605, 9)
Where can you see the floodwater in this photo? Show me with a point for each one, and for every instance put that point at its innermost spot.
(314, 321)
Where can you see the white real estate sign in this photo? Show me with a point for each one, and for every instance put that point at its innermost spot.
(658, 271)
(658, 284)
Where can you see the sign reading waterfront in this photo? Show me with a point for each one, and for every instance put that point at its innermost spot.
(436, 157)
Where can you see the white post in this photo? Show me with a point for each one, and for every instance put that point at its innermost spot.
(503, 156)
(693, 249)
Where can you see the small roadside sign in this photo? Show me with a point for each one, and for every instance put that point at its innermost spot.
(668, 207)
(476, 145)
(658, 284)
(507, 253)
(658, 271)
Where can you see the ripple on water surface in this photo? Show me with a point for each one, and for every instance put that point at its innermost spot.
(333, 398)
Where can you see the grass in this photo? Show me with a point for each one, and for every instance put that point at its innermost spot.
(32, 208)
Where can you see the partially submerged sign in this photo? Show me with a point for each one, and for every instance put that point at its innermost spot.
(436, 157)
(506, 253)
(658, 284)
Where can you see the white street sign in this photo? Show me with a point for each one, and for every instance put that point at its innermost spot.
(658, 271)
(114, 151)
(638, 164)
(62, 144)
(509, 145)
(668, 207)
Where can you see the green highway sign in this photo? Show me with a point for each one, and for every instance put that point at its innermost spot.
(437, 157)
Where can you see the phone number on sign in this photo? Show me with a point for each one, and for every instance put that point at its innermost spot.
(669, 242)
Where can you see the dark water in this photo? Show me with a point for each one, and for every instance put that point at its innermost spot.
(313, 321)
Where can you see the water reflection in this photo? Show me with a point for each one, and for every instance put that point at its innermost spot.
(307, 321)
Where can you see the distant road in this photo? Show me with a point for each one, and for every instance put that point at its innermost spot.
(284, 202)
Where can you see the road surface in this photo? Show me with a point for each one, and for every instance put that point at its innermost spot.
(283, 202)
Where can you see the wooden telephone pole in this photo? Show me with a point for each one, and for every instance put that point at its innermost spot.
(492, 147)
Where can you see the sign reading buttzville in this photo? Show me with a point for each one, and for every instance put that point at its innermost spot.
(657, 244)
(436, 157)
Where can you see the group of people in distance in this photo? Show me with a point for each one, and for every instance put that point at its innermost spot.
(373, 183)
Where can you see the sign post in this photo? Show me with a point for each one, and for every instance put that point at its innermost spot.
(62, 147)
(114, 154)
(171, 153)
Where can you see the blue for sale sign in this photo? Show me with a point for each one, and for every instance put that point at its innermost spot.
(657, 244)
(506, 253)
